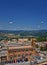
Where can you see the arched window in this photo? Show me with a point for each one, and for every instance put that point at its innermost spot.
(15, 55)
(30, 54)
(26, 54)
(19, 55)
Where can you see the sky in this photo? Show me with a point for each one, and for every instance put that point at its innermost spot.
(23, 14)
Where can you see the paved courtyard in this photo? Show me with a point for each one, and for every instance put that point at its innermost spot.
(24, 63)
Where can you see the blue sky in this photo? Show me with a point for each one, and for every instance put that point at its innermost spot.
(23, 14)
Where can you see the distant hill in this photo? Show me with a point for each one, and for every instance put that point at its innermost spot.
(26, 33)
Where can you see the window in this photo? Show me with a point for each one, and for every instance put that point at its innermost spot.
(15, 55)
(18, 50)
(23, 55)
(26, 54)
(23, 50)
(18, 55)
(10, 58)
(26, 49)
(30, 54)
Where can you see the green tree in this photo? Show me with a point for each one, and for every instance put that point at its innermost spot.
(41, 48)
(37, 46)
(29, 38)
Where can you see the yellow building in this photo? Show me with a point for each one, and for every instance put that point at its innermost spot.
(16, 51)
(24, 50)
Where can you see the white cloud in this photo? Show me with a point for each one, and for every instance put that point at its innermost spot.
(38, 26)
(11, 22)
(42, 22)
